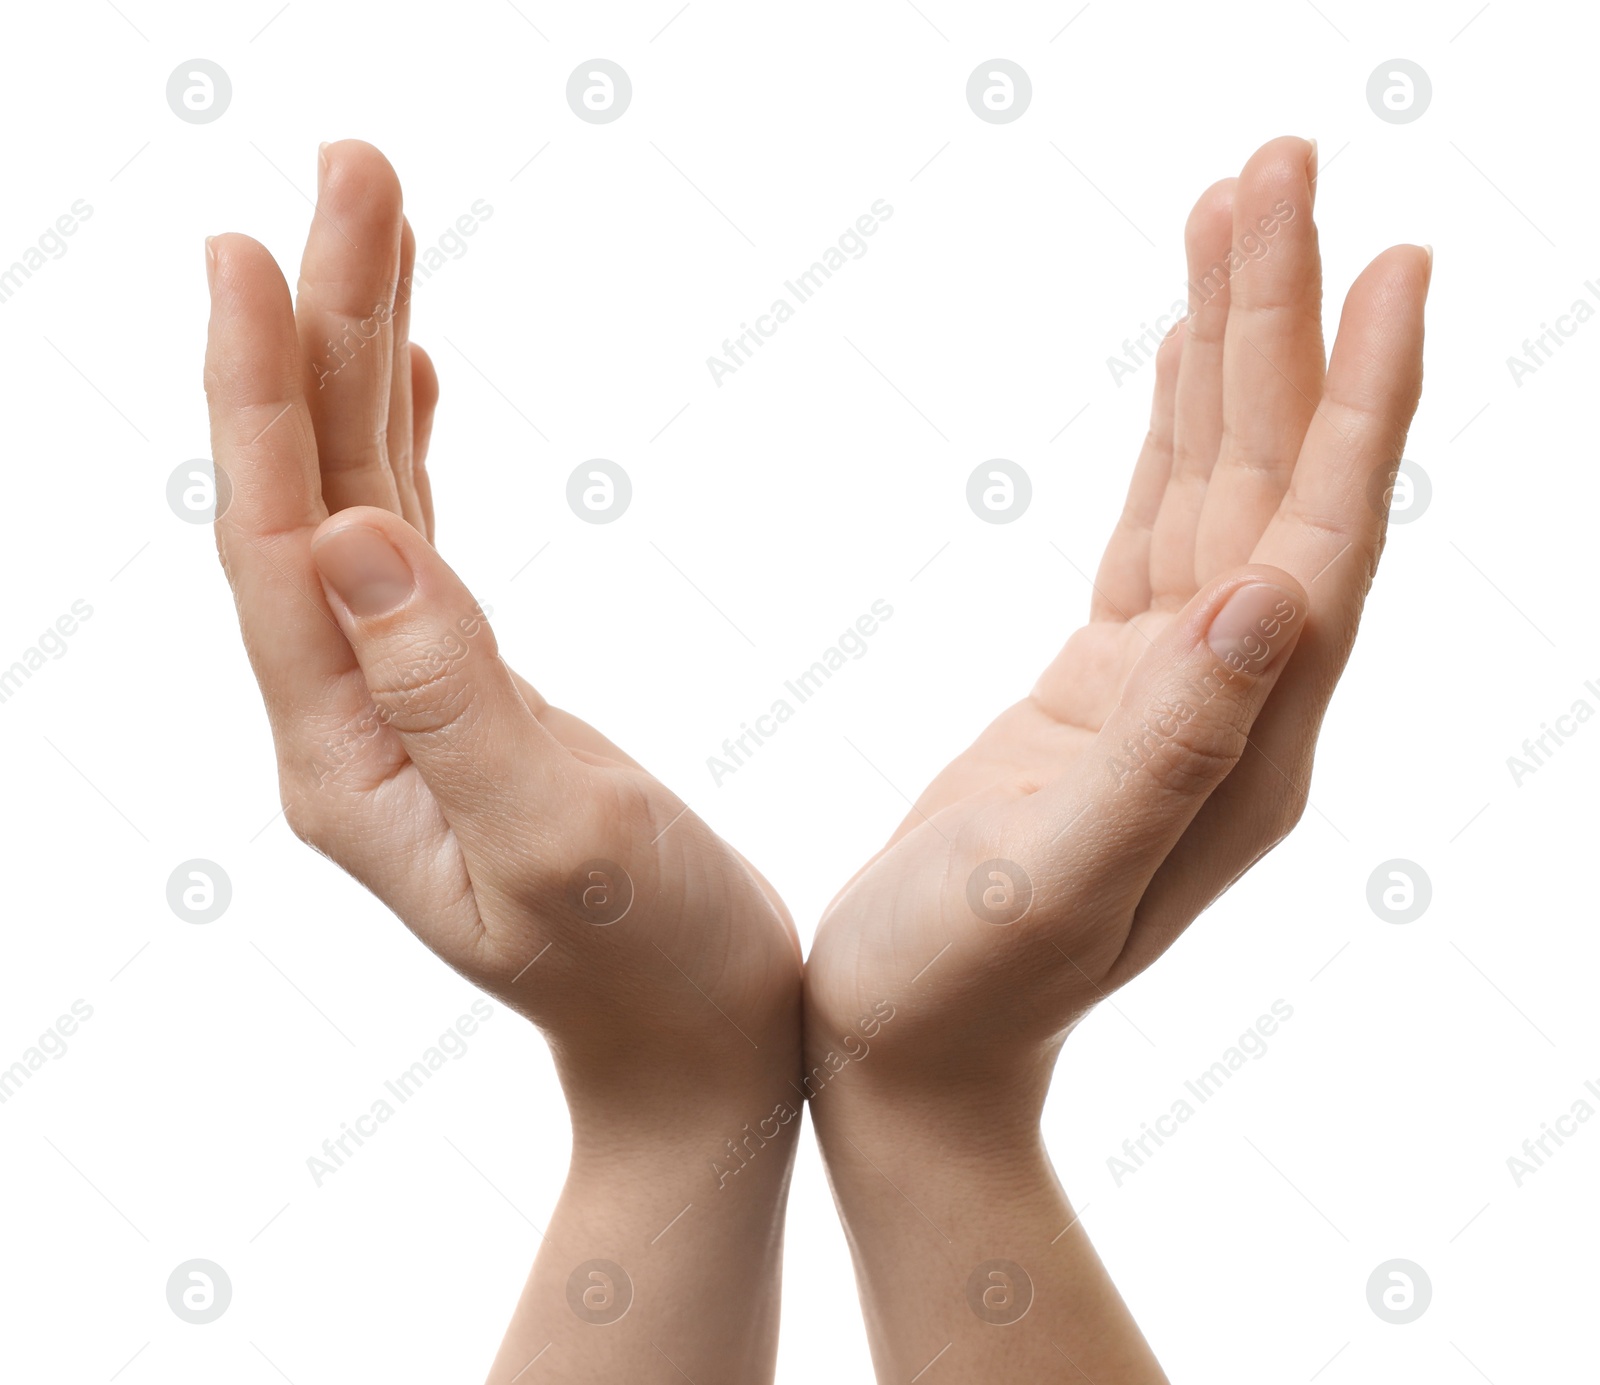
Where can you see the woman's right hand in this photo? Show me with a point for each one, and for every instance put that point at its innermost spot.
(1166, 749)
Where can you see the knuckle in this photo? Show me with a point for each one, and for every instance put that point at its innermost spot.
(422, 691)
(1320, 523)
(1186, 752)
(1194, 762)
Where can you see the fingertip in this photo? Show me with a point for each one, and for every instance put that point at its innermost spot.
(354, 242)
(1211, 210)
(1427, 273)
(251, 305)
(424, 402)
(353, 169)
(1289, 158)
(1397, 279)
(1383, 328)
(424, 379)
(252, 355)
(1282, 171)
(234, 259)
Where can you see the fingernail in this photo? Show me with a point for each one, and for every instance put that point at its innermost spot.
(1429, 249)
(1311, 170)
(363, 567)
(322, 165)
(1254, 626)
(211, 263)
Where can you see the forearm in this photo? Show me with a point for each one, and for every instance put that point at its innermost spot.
(689, 1262)
(970, 1261)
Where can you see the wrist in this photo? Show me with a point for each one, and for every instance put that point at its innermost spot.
(981, 1107)
(637, 1093)
(644, 1237)
(700, 1138)
(957, 1224)
(974, 1159)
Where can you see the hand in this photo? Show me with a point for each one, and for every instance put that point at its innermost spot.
(517, 842)
(1166, 749)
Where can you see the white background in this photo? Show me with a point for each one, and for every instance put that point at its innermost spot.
(219, 1057)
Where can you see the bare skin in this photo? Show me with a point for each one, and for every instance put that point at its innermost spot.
(522, 846)
(1163, 752)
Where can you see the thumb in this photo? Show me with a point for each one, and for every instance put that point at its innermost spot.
(1182, 724)
(436, 678)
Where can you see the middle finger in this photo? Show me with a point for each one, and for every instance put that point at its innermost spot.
(1272, 354)
(344, 311)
